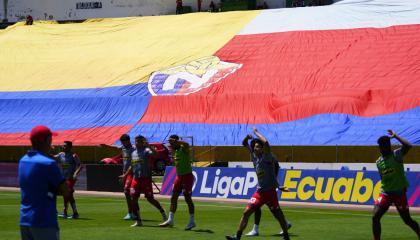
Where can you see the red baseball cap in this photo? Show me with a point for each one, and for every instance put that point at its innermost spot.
(41, 132)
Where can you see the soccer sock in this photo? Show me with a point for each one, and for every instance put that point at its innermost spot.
(192, 218)
(66, 204)
(171, 216)
(128, 200)
(73, 206)
(136, 215)
(238, 235)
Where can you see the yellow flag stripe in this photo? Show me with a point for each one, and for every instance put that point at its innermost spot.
(109, 52)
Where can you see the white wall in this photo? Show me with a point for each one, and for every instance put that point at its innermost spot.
(66, 9)
(2, 13)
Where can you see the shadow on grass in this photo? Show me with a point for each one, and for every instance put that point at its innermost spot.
(149, 220)
(151, 226)
(76, 219)
(290, 235)
(202, 231)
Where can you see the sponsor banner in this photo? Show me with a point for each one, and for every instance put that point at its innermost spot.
(88, 5)
(320, 186)
(326, 166)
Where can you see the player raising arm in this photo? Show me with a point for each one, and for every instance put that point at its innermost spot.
(183, 182)
(266, 189)
(394, 184)
(257, 214)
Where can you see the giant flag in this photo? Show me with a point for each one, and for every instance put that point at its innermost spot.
(340, 74)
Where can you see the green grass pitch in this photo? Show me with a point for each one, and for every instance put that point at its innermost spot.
(101, 218)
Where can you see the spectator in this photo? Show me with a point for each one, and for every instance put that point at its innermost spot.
(178, 6)
(40, 182)
(29, 20)
(212, 7)
(265, 5)
(199, 5)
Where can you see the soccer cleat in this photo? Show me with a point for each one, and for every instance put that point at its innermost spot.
(289, 225)
(166, 223)
(286, 238)
(74, 216)
(190, 226)
(63, 215)
(252, 233)
(231, 237)
(137, 224)
(164, 217)
(128, 217)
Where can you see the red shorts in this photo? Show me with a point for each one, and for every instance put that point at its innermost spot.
(141, 185)
(70, 184)
(184, 183)
(127, 183)
(400, 201)
(260, 198)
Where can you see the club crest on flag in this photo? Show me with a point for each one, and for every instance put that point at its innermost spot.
(191, 77)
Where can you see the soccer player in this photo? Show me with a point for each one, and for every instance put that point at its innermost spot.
(142, 180)
(393, 184)
(183, 182)
(266, 193)
(127, 176)
(257, 213)
(70, 167)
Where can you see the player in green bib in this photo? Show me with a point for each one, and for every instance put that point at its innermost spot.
(393, 184)
(183, 182)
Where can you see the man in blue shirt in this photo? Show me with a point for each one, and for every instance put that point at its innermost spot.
(40, 181)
